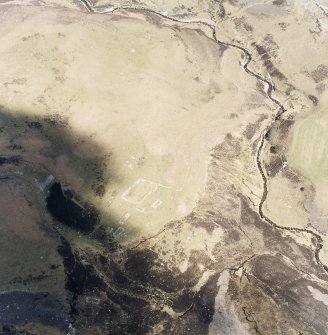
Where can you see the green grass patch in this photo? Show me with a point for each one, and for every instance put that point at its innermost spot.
(309, 149)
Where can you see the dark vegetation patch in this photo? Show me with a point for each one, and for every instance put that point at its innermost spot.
(205, 300)
(56, 120)
(275, 149)
(260, 86)
(283, 129)
(98, 168)
(14, 146)
(229, 148)
(274, 166)
(116, 273)
(282, 274)
(107, 240)
(321, 88)
(19, 308)
(290, 88)
(285, 125)
(154, 19)
(143, 265)
(248, 216)
(209, 225)
(286, 286)
(320, 73)
(139, 264)
(29, 279)
(283, 25)
(279, 2)
(241, 22)
(98, 190)
(11, 330)
(233, 116)
(128, 303)
(271, 45)
(274, 241)
(173, 280)
(121, 311)
(183, 301)
(15, 160)
(69, 213)
(129, 328)
(199, 315)
(80, 277)
(291, 175)
(221, 12)
(314, 99)
(268, 135)
(265, 55)
(232, 235)
(250, 130)
(34, 124)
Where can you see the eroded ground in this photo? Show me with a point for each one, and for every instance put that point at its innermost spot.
(163, 167)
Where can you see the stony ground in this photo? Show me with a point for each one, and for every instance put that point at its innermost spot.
(163, 167)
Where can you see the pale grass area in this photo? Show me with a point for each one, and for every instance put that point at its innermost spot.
(73, 4)
(157, 99)
(284, 204)
(309, 148)
(308, 152)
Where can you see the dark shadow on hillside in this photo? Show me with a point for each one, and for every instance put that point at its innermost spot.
(28, 152)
